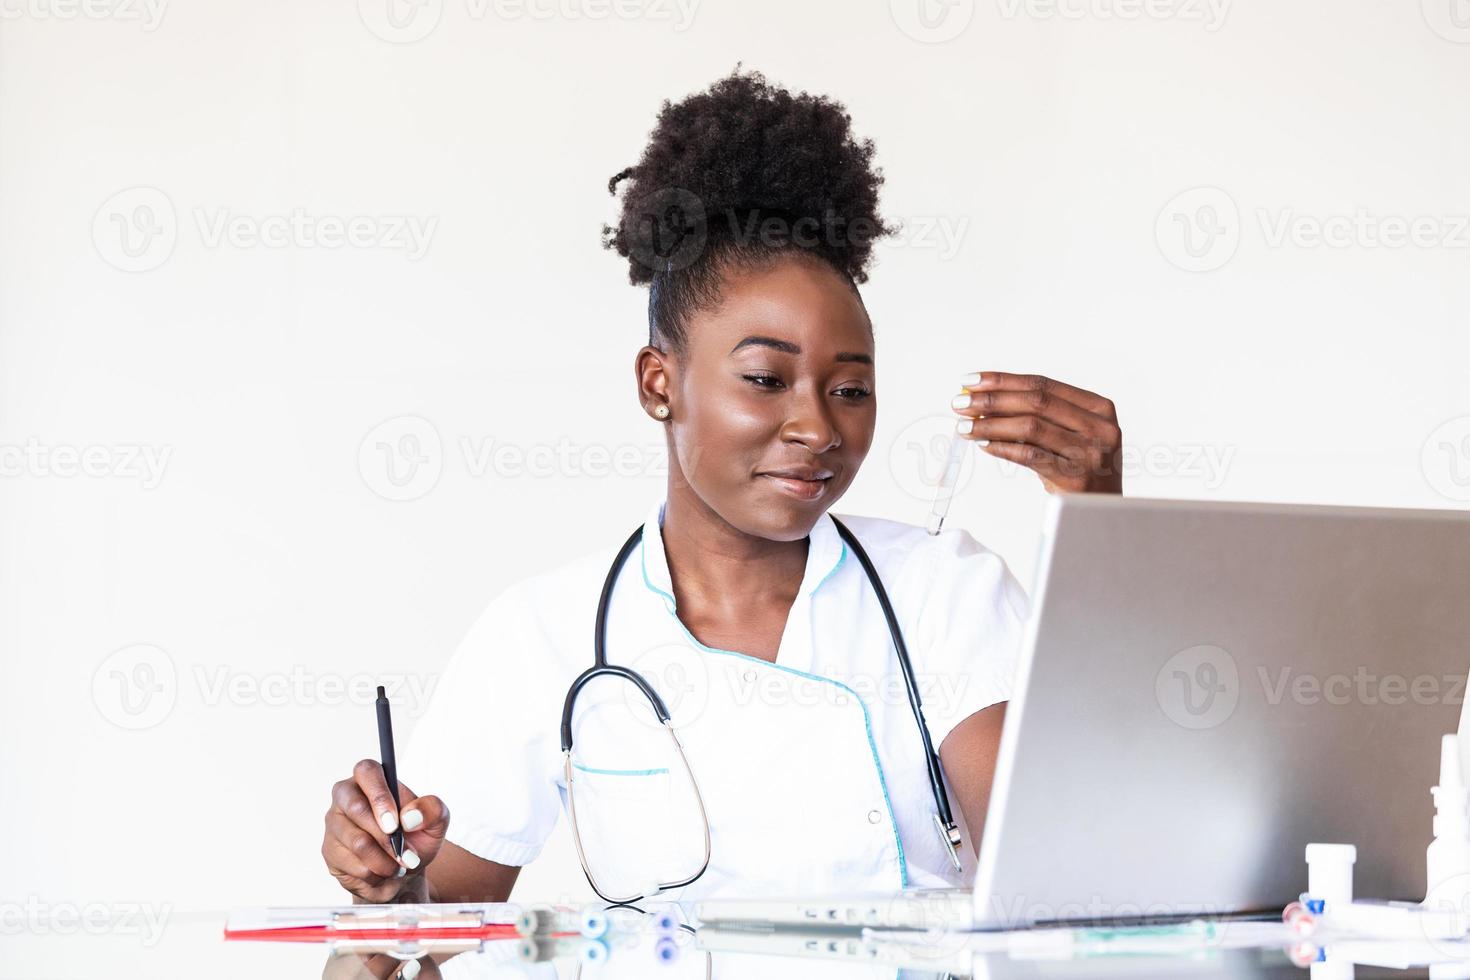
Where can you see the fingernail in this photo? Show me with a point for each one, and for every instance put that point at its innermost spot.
(410, 859)
(960, 401)
(964, 426)
(982, 442)
(401, 872)
(412, 819)
(970, 379)
(388, 820)
(410, 970)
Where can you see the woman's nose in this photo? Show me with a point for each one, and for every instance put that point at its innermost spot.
(812, 425)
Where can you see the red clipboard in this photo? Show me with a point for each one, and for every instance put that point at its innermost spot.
(335, 933)
(437, 926)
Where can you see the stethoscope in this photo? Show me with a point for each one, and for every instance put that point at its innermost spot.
(944, 821)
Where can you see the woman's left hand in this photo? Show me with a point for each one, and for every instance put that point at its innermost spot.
(1069, 437)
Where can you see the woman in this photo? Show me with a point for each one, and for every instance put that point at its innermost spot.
(751, 216)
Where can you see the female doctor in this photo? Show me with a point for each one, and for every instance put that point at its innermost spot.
(793, 761)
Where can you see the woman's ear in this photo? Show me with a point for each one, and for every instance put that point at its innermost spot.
(652, 370)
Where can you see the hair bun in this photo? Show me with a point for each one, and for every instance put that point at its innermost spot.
(747, 167)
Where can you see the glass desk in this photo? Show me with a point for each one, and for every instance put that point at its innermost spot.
(191, 945)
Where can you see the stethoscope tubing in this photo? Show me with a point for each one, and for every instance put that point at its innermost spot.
(601, 668)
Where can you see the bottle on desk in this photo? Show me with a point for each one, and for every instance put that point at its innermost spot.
(1448, 857)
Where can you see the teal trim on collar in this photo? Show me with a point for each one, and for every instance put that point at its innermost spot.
(841, 559)
(643, 561)
(826, 553)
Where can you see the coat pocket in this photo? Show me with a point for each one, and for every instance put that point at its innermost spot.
(623, 817)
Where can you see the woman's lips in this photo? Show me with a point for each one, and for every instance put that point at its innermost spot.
(801, 489)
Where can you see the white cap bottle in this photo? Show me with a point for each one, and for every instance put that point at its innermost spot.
(1330, 873)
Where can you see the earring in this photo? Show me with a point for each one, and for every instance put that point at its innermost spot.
(661, 412)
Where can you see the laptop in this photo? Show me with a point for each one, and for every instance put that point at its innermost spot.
(1205, 689)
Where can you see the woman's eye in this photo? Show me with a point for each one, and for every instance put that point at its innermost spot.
(772, 382)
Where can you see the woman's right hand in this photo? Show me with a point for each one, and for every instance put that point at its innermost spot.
(355, 844)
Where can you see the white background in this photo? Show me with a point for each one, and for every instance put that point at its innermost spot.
(1037, 155)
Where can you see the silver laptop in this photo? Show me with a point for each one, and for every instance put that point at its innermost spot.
(1205, 689)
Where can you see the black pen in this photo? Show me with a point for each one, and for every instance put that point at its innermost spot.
(390, 767)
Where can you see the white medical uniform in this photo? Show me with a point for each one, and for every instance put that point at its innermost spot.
(810, 768)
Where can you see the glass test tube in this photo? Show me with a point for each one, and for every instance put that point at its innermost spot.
(948, 479)
(944, 493)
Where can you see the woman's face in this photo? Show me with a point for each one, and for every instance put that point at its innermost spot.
(774, 400)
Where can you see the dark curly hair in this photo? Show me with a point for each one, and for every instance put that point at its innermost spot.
(736, 176)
